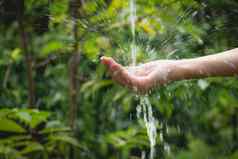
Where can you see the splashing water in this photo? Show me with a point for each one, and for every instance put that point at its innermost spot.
(143, 155)
(133, 32)
(144, 109)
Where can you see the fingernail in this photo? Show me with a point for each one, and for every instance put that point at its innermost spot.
(101, 58)
(106, 61)
(105, 58)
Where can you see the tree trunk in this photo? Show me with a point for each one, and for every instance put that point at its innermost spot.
(73, 63)
(28, 56)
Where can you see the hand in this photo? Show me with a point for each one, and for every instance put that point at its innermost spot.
(140, 78)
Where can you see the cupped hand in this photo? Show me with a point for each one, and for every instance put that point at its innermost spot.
(140, 78)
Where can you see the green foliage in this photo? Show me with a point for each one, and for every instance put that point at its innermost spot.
(198, 118)
(29, 133)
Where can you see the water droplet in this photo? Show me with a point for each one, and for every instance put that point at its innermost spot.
(143, 155)
(158, 97)
(167, 148)
(161, 136)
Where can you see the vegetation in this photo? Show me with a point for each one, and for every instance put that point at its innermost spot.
(57, 101)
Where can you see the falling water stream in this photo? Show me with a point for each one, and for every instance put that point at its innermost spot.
(144, 109)
(133, 32)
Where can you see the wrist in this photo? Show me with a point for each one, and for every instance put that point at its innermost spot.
(172, 70)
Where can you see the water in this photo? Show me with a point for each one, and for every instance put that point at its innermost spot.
(133, 32)
(143, 155)
(144, 109)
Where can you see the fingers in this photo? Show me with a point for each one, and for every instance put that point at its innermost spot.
(106, 60)
(117, 71)
(113, 67)
(121, 75)
(111, 64)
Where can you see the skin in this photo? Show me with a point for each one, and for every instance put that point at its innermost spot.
(144, 77)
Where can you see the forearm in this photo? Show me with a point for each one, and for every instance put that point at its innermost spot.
(222, 64)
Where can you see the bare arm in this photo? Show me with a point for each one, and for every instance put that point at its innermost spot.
(221, 64)
(144, 77)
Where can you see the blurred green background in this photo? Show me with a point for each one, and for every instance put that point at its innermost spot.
(57, 101)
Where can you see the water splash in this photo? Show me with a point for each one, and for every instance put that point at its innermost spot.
(144, 109)
(143, 155)
(167, 149)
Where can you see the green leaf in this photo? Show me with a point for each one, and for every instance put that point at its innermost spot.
(4, 113)
(90, 48)
(30, 117)
(7, 125)
(65, 139)
(52, 46)
(14, 140)
(58, 10)
(10, 152)
(16, 54)
(101, 84)
(39, 117)
(32, 147)
(55, 130)
(24, 116)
